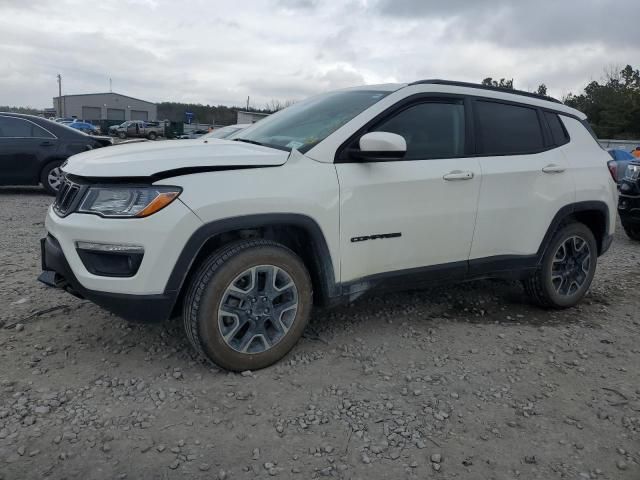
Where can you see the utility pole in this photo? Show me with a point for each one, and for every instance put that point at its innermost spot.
(247, 103)
(60, 110)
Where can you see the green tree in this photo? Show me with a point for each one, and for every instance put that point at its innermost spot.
(503, 83)
(613, 106)
(542, 89)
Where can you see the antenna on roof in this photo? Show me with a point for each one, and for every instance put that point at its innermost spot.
(110, 86)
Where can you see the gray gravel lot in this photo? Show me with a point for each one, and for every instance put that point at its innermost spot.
(463, 382)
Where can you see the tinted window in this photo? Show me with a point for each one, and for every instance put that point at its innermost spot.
(17, 127)
(431, 130)
(558, 133)
(508, 129)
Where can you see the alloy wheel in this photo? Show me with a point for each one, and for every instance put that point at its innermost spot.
(54, 178)
(570, 266)
(257, 309)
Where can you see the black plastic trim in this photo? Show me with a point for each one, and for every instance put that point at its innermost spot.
(479, 86)
(326, 285)
(135, 308)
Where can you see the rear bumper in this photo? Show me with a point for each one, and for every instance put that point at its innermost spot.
(57, 273)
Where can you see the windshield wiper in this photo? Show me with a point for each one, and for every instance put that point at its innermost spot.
(253, 142)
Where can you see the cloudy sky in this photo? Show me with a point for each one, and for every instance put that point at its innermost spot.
(219, 52)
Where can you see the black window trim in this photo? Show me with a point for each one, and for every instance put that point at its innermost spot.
(52, 137)
(471, 137)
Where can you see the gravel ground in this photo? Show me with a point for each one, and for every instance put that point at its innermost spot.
(466, 382)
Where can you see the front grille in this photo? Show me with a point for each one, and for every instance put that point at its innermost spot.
(65, 199)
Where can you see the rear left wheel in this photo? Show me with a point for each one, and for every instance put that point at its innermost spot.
(248, 305)
(567, 269)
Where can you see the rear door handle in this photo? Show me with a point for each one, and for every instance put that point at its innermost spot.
(458, 175)
(46, 143)
(553, 168)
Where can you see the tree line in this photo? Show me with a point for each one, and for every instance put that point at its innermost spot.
(612, 104)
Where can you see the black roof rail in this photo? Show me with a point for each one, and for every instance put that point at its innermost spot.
(454, 83)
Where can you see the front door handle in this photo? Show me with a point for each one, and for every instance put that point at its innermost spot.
(553, 168)
(458, 175)
(46, 143)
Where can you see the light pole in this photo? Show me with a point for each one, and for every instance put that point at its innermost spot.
(60, 109)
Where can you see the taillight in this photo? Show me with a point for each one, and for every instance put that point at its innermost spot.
(613, 169)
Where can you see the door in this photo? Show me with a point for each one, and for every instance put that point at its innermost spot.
(525, 179)
(417, 212)
(23, 148)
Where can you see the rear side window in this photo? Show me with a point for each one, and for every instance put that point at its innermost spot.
(507, 129)
(431, 130)
(558, 132)
(11, 127)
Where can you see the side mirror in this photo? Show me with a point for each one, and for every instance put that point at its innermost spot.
(380, 147)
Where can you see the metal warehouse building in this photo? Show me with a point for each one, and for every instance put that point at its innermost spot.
(94, 107)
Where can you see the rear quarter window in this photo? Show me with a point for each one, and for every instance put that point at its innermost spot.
(558, 132)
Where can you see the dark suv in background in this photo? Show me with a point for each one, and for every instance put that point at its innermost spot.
(33, 148)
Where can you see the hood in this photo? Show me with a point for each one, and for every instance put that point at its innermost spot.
(166, 156)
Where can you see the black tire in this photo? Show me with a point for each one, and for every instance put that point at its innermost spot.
(209, 288)
(632, 230)
(46, 177)
(152, 135)
(122, 135)
(541, 287)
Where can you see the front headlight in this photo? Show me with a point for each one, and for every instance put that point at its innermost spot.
(127, 202)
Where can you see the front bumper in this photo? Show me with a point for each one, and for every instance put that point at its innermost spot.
(57, 273)
(629, 208)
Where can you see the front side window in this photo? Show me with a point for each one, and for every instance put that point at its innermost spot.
(11, 127)
(305, 124)
(507, 129)
(431, 130)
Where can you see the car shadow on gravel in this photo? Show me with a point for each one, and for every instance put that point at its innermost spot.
(477, 302)
(27, 190)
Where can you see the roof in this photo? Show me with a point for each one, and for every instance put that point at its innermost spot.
(105, 93)
(486, 87)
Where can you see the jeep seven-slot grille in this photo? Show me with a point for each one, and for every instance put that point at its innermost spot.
(67, 193)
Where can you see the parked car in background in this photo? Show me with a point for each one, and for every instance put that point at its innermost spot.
(64, 119)
(85, 127)
(226, 132)
(137, 128)
(622, 158)
(193, 134)
(33, 148)
(629, 199)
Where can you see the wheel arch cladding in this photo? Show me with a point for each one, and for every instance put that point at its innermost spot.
(298, 232)
(594, 214)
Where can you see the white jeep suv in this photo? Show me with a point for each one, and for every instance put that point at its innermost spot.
(386, 186)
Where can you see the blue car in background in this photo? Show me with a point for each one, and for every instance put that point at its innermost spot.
(622, 159)
(84, 127)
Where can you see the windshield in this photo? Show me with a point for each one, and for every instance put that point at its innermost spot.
(223, 132)
(305, 124)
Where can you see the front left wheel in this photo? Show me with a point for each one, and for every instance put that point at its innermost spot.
(51, 177)
(248, 305)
